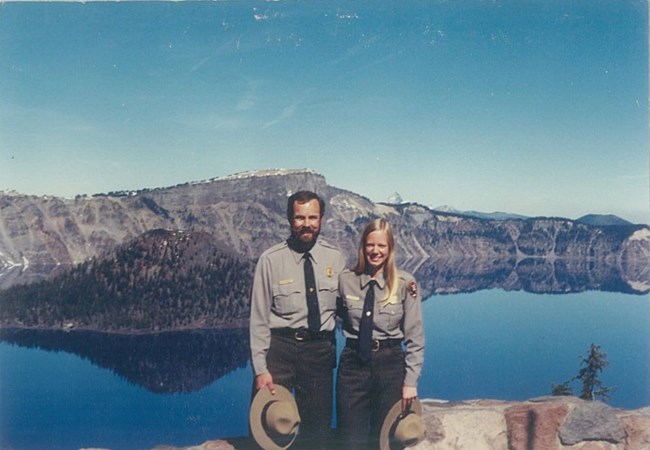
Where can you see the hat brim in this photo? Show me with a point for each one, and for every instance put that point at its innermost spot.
(262, 398)
(391, 420)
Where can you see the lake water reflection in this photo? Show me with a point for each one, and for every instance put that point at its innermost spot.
(70, 390)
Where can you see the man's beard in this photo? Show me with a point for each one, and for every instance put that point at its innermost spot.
(301, 246)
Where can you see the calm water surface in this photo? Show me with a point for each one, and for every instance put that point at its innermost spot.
(69, 391)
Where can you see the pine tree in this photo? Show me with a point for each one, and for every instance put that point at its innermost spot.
(593, 363)
(592, 387)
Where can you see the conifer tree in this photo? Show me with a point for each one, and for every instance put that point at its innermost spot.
(592, 387)
(594, 363)
(562, 389)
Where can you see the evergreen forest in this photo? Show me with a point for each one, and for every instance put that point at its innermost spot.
(162, 280)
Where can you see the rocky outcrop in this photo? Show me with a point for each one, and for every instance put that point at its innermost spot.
(547, 423)
(247, 212)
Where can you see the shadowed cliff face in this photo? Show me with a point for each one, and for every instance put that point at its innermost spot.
(41, 236)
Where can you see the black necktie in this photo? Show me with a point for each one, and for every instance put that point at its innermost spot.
(366, 324)
(313, 312)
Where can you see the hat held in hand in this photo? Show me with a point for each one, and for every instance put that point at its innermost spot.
(402, 428)
(274, 419)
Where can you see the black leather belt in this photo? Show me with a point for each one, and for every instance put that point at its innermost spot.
(377, 344)
(302, 334)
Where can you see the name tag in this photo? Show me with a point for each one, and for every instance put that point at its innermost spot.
(285, 282)
(352, 297)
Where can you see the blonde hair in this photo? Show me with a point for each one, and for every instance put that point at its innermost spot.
(390, 268)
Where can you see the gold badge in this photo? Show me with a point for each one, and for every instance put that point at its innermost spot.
(329, 272)
(412, 289)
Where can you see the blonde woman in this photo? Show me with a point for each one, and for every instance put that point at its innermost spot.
(384, 351)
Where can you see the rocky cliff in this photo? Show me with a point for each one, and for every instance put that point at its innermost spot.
(548, 423)
(246, 212)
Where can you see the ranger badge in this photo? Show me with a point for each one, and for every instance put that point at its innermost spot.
(329, 272)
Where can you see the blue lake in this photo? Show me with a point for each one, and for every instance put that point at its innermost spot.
(75, 390)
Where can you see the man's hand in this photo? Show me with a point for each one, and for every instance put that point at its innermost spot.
(409, 394)
(264, 379)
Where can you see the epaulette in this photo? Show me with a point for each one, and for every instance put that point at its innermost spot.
(326, 244)
(275, 248)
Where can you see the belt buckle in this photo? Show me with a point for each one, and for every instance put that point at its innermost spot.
(375, 345)
(300, 335)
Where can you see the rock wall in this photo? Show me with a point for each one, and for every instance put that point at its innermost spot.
(546, 423)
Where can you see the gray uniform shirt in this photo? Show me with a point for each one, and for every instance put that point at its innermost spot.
(279, 298)
(398, 317)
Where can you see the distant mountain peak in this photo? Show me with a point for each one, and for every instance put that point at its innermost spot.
(496, 215)
(395, 199)
(446, 209)
(602, 220)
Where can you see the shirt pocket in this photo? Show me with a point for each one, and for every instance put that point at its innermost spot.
(390, 316)
(352, 308)
(352, 302)
(327, 292)
(288, 299)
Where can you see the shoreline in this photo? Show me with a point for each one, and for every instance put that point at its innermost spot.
(239, 324)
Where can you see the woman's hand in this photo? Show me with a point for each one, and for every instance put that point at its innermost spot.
(264, 379)
(409, 394)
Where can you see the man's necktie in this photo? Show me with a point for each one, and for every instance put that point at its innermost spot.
(366, 324)
(313, 312)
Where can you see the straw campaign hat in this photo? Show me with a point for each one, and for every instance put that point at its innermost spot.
(274, 419)
(402, 428)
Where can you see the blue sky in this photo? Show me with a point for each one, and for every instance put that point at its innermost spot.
(531, 107)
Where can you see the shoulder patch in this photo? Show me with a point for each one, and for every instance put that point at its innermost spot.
(412, 289)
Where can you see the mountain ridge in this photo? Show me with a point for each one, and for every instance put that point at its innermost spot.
(245, 212)
(394, 199)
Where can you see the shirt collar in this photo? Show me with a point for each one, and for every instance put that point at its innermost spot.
(314, 252)
(379, 278)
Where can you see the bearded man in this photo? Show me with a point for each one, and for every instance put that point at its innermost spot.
(293, 307)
